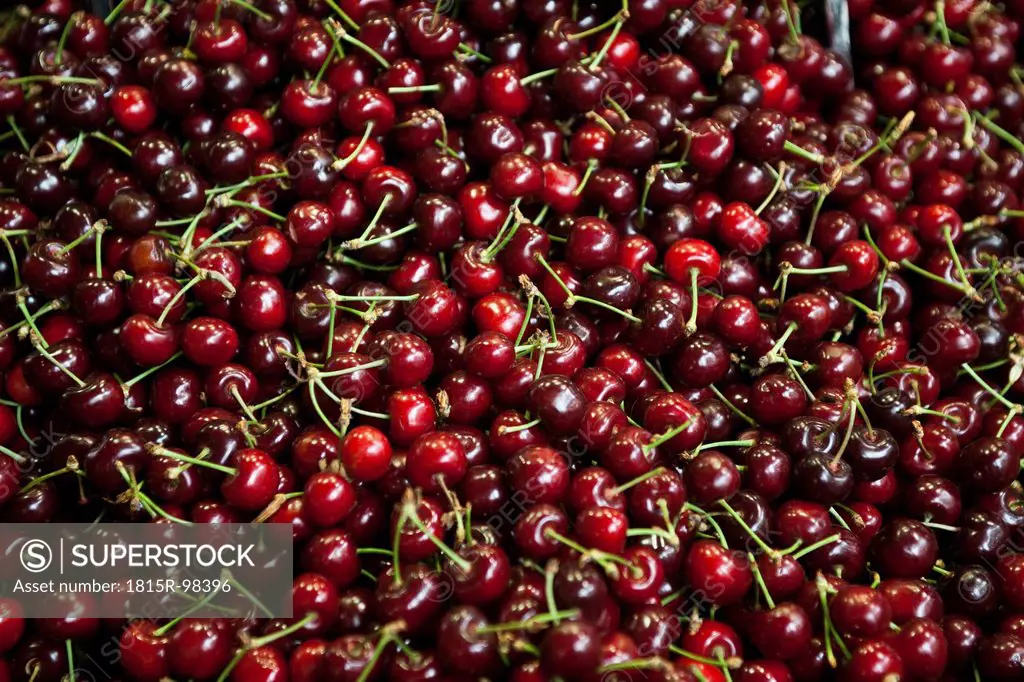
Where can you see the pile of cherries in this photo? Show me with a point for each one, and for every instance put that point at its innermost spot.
(577, 340)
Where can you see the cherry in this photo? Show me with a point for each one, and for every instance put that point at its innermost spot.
(571, 650)
(722, 575)
(435, 460)
(329, 499)
(199, 648)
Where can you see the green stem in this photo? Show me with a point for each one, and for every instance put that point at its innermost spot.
(152, 370)
(760, 580)
(349, 38)
(112, 142)
(984, 384)
(17, 131)
(797, 150)
(313, 385)
(254, 10)
(259, 209)
(463, 47)
(815, 546)
(49, 356)
(170, 454)
(758, 540)
(620, 21)
(464, 566)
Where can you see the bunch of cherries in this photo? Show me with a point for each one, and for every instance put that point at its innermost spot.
(577, 340)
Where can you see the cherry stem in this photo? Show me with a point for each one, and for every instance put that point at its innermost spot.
(361, 240)
(711, 521)
(505, 234)
(70, 466)
(526, 321)
(727, 64)
(529, 623)
(403, 89)
(772, 356)
(20, 459)
(367, 299)
(830, 630)
(53, 80)
(144, 500)
(797, 150)
(79, 143)
(852, 400)
(411, 227)
(823, 598)
(111, 141)
(660, 440)
(984, 384)
(574, 299)
(765, 547)
(650, 663)
(348, 260)
(915, 410)
(341, 13)
(467, 49)
(30, 320)
(533, 77)
(167, 627)
(139, 377)
(620, 20)
(37, 342)
(1013, 412)
(254, 10)
(760, 580)
(948, 237)
(550, 569)
(257, 208)
(815, 546)
(342, 163)
(659, 375)
(502, 430)
(259, 642)
(241, 403)
(412, 515)
(70, 652)
(171, 454)
(779, 179)
(178, 295)
(791, 22)
(717, 662)
(619, 489)
(396, 541)
(872, 315)
(212, 239)
(387, 636)
(17, 131)
(114, 13)
(668, 536)
(814, 215)
(592, 166)
(98, 226)
(367, 413)
(603, 559)
(728, 403)
(314, 384)
(350, 370)
(349, 38)
(940, 20)
(233, 189)
(1001, 133)
(726, 444)
(594, 30)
